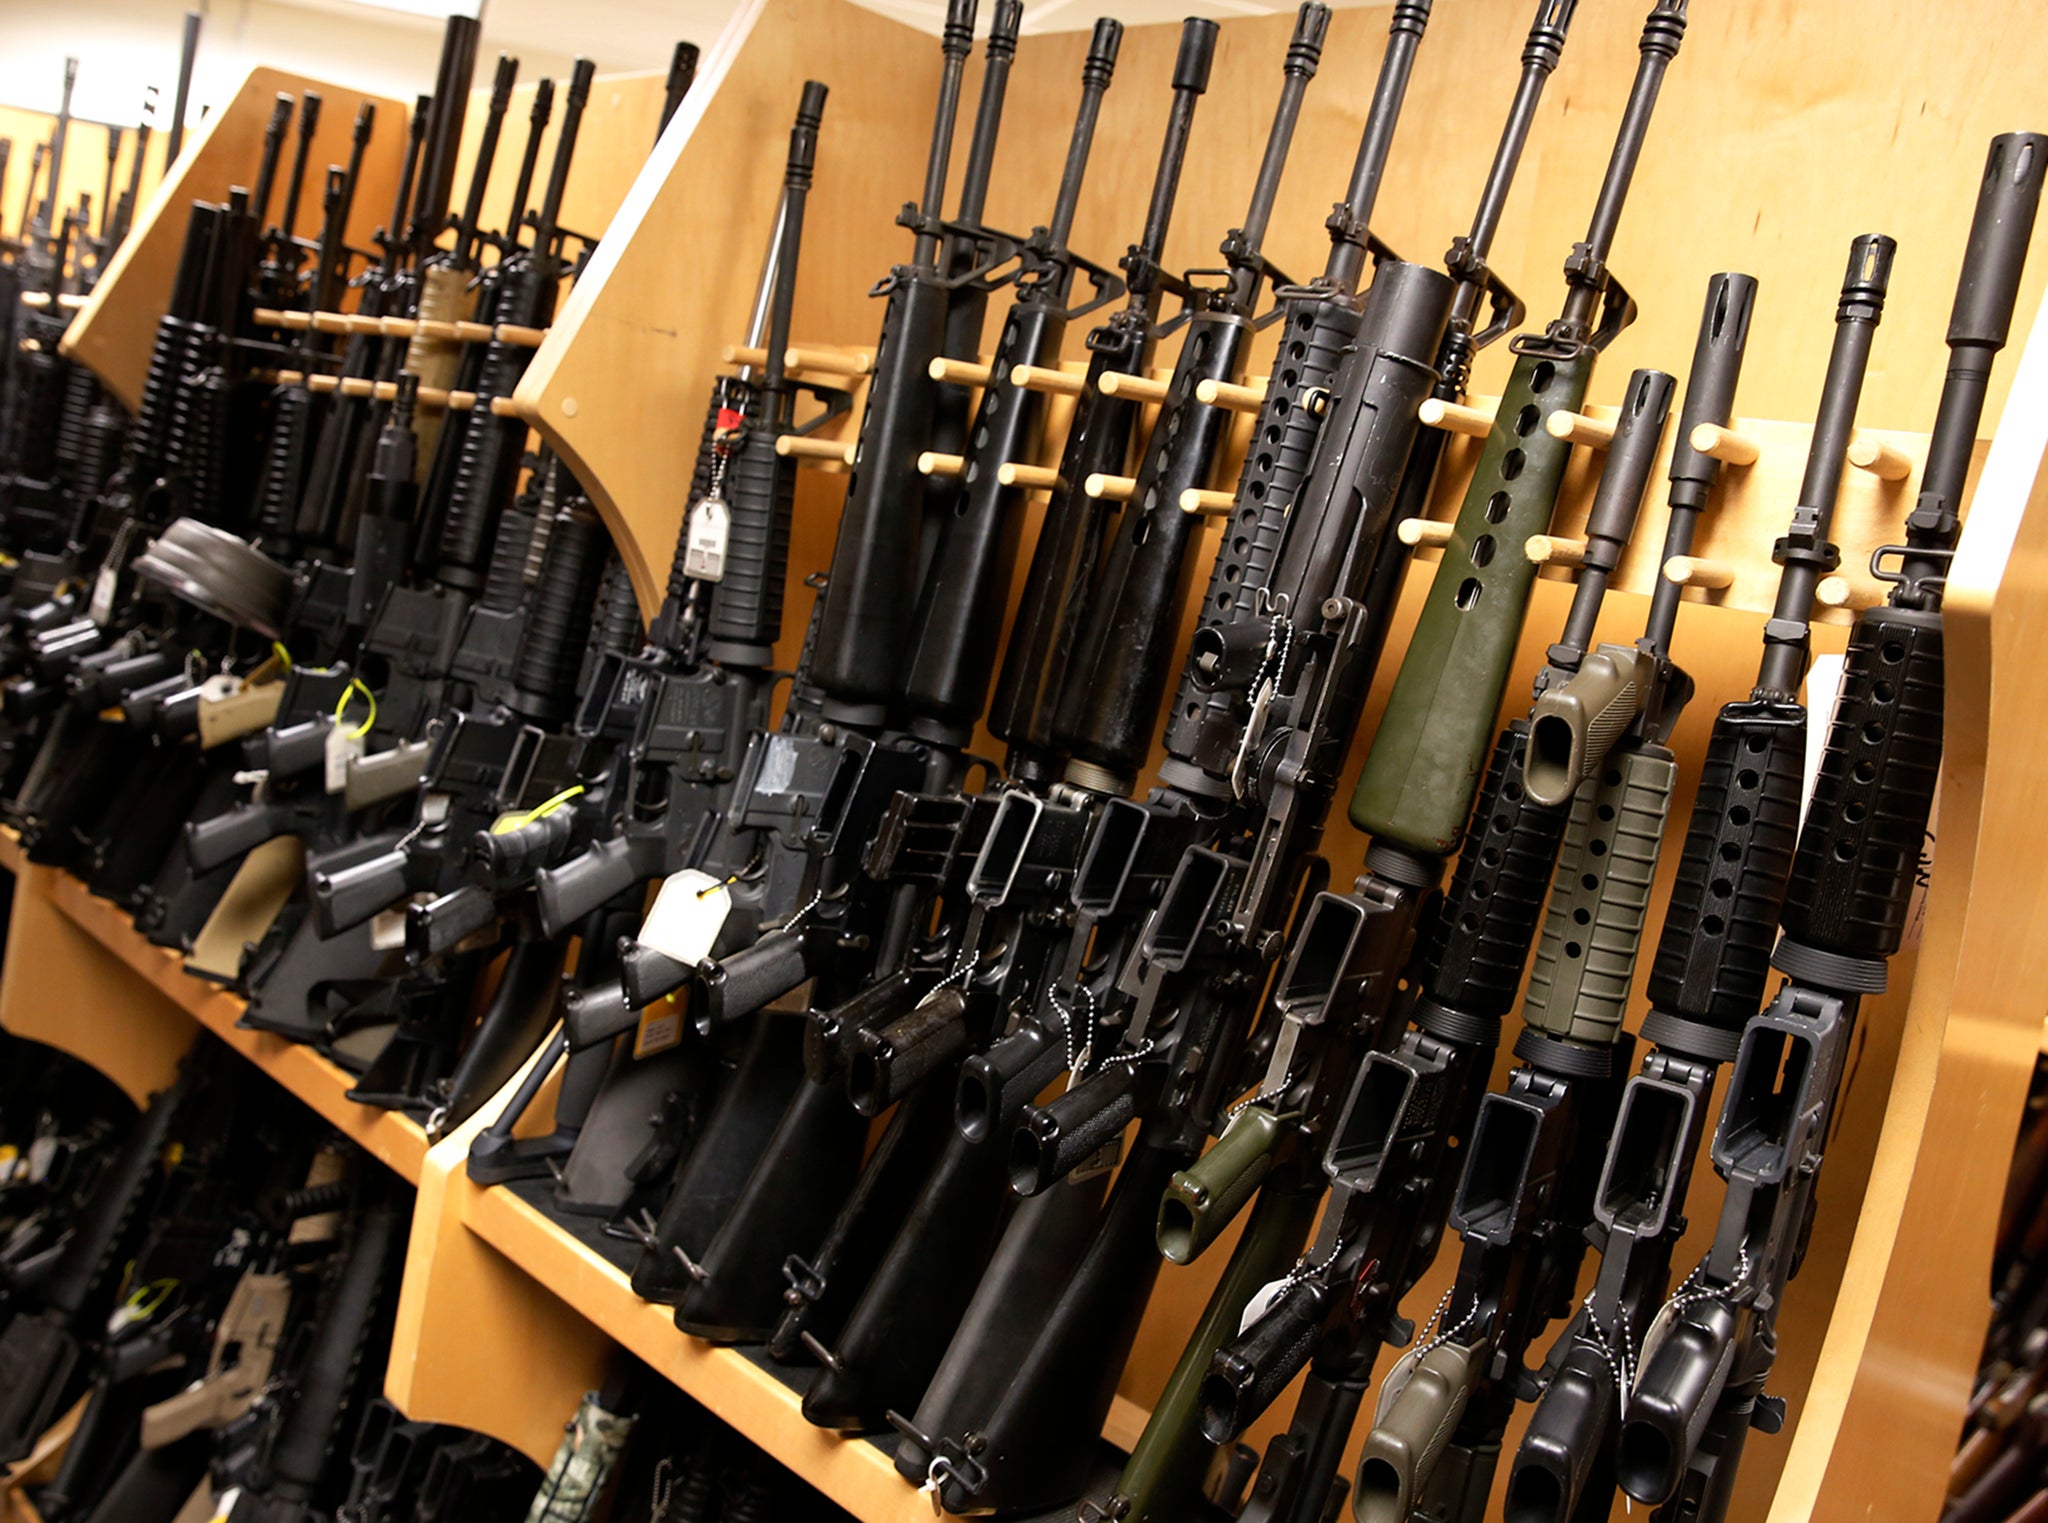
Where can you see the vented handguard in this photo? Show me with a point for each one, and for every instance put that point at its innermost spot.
(1713, 960)
(760, 496)
(1859, 852)
(1585, 963)
(1479, 944)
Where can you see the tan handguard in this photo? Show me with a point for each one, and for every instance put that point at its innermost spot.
(1573, 727)
(248, 1335)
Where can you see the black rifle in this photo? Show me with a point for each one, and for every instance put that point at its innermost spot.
(1701, 1386)
(809, 793)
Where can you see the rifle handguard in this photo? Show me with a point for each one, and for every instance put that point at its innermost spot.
(568, 891)
(1051, 1140)
(1573, 727)
(441, 924)
(996, 1085)
(37, 1357)
(1859, 850)
(1409, 1433)
(884, 1063)
(348, 896)
(1713, 958)
(1562, 1444)
(1248, 1373)
(1206, 1196)
(1674, 1399)
(1586, 960)
(743, 983)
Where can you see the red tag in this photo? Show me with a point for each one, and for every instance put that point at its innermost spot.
(729, 419)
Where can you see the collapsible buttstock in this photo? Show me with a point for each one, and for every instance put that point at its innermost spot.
(996, 1085)
(1206, 1196)
(741, 984)
(884, 1063)
(1050, 1140)
(570, 890)
(348, 896)
(1573, 727)
(1409, 1434)
(1565, 1437)
(1248, 1374)
(211, 843)
(1673, 1400)
(442, 924)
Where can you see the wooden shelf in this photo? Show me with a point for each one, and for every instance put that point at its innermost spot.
(393, 1139)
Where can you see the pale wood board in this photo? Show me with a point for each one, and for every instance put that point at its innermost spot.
(115, 331)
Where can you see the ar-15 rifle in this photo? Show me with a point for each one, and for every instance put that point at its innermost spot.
(679, 711)
(855, 939)
(808, 794)
(1704, 1368)
(914, 1176)
(1350, 949)
(1029, 1395)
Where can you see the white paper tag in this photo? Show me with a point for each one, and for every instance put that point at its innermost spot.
(104, 586)
(342, 748)
(704, 551)
(1823, 688)
(218, 687)
(1261, 1302)
(687, 916)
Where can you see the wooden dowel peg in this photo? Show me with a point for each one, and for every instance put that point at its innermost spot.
(517, 335)
(454, 401)
(471, 333)
(501, 407)
(372, 327)
(1061, 383)
(933, 464)
(1579, 429)
(357, 386)
(960, 372)
(796, 447)
(1033, 477)
(828, 361)
(1236, 398)
(739, 354)
(1692, 571)
(1456, 418)
(1880, 459)
(67, 301)
(1833, 592)
(1725, 445)
(1138, 388)
(1431, 533)
(1208, 504)
(1549, 550)
(1110, 488)
(330, 322)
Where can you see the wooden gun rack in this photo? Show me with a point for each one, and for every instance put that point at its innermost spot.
(506, 1316)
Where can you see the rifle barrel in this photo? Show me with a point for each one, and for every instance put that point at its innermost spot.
(188, 52)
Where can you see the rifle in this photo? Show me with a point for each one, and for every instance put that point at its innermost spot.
(841, 938)
(683, 704)
(188, 52)
(808, 794)
(1704, 1368)
(914, 1177)
(1350, 950)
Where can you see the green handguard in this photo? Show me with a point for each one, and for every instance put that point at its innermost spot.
(1203, 1198)
(1414, 1422)
(1163, 1476)
(1573, 727)
(1423, 769)
(584, 1461)
(1586, 959)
